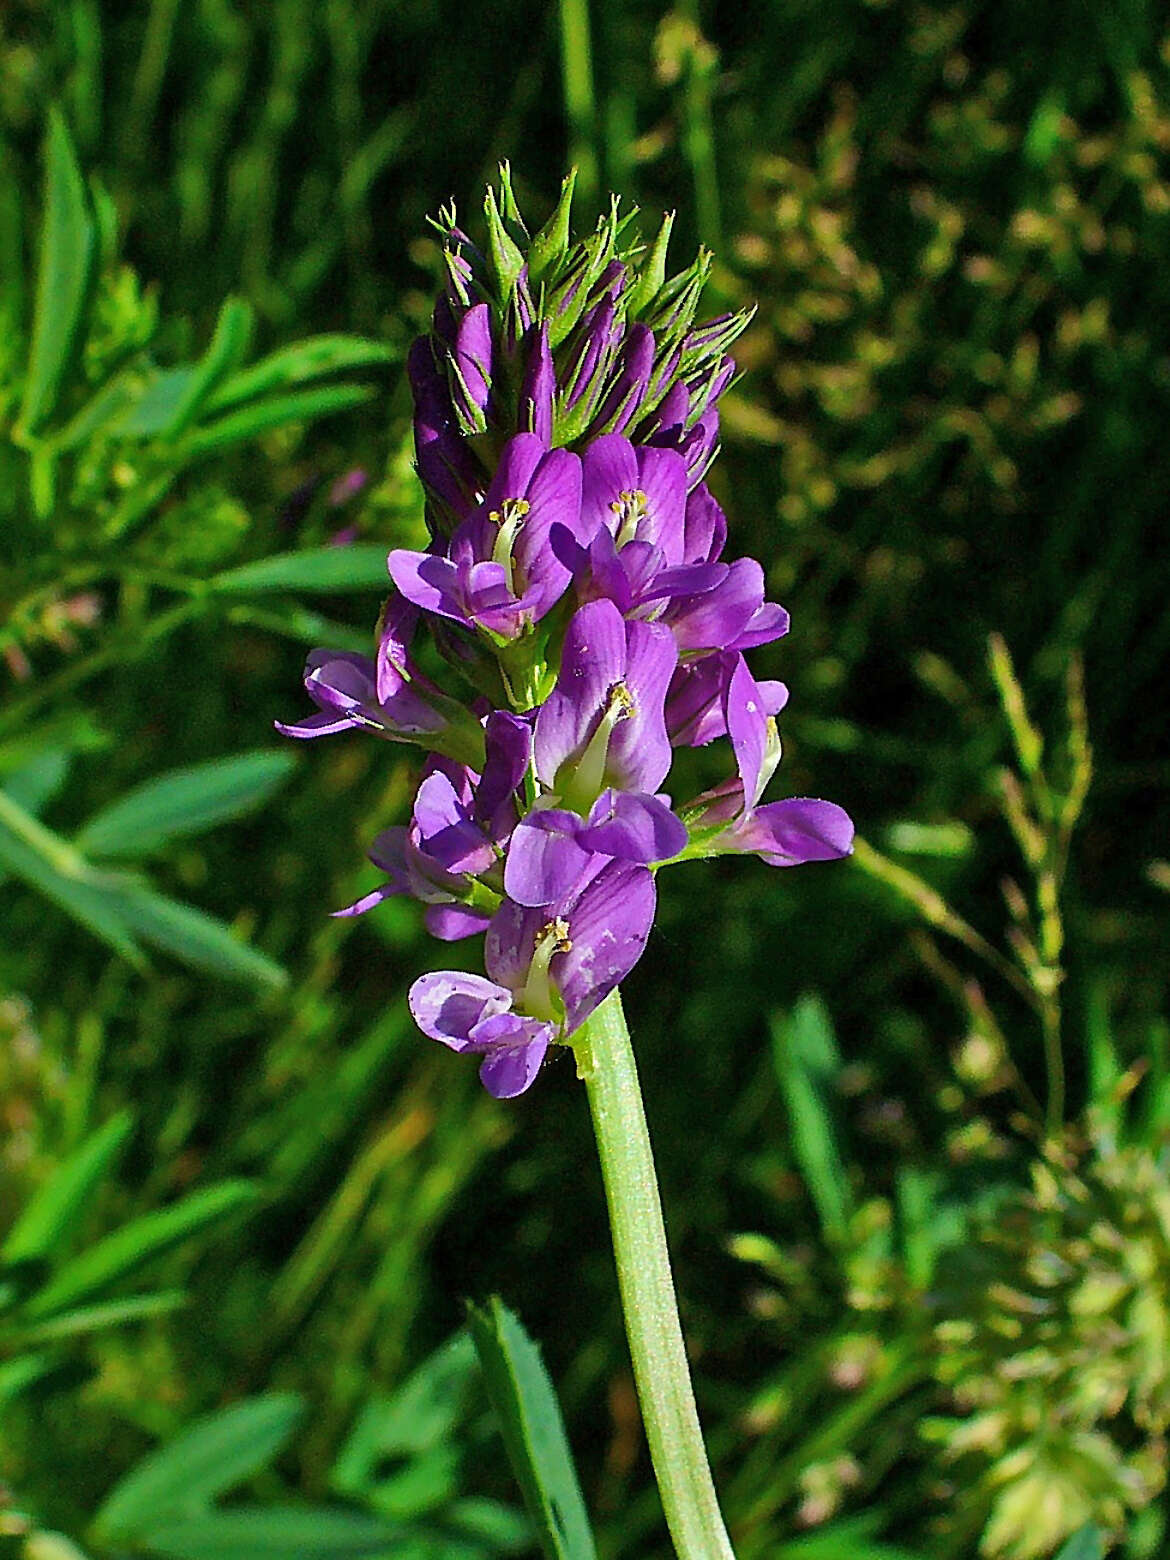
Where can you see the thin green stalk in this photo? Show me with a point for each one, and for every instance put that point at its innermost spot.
(580, 104)
(605, 1061)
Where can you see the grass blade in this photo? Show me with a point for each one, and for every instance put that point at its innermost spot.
(360, 567)
(196, 938)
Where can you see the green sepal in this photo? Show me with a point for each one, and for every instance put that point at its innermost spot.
(505, 258)
(652, 271)
(552, 242)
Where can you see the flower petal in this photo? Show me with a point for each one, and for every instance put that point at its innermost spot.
(609, 921)
(449, 1004)
(544, 860)
(799, 829)
(593, 660)
(508, 1070)
(633, 827)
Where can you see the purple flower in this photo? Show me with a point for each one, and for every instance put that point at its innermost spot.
(731, 616)
(548, 968)
(500, 573)
(459, 827)
(696, 704)
(551, 847)
(633, 509)
(603, 724)
(343, 687)
(729, 819)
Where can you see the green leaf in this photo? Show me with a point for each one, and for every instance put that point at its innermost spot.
(300, 406)
(50, 865)
(418, 1418)
(314, 358)
(92, 1318)
(1088, 1544)
(18, 1375)
(68, 252)
(210, 1457)
(225, 353)
(34, 784)
(159, 403)
(807, 1064)
(196, 938)
(56, 1207)
(276, 1533)
(131, 1247)
(360, 567)
(533, 1431)
(183, 802)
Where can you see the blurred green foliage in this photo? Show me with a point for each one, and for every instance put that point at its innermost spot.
(921, 1324)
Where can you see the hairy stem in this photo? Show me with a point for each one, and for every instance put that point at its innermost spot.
(605, 1061)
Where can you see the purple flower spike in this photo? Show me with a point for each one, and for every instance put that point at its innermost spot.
(603, 724)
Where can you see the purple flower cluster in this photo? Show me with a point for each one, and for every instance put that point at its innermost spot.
(564, 417)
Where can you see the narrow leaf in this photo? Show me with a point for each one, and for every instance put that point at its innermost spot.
(210, 1457)
(183, 802)
(299, 364)
(196, 938)
(56, 1207)
(68, 253)
(533, 1431)
(807, 1063)
(263, 416)
(359, 567)
(130, 1248)
(277, 1533)
(107, 1313)
(225, 353)
(50, 865)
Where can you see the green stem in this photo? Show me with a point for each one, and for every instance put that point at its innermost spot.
(605, 1061)
(580, 106)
